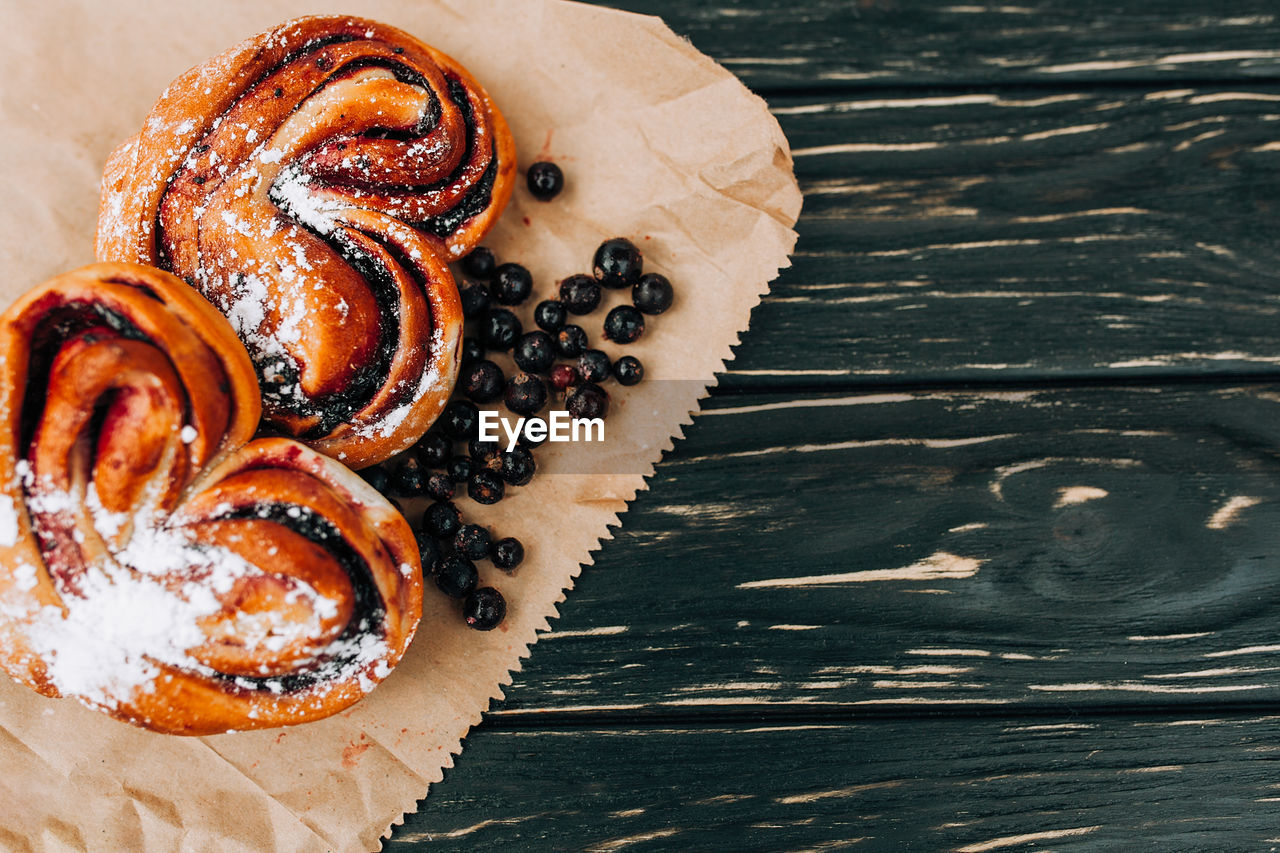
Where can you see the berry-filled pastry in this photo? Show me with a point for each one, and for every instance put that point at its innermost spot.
(313, 182)
(156, 561)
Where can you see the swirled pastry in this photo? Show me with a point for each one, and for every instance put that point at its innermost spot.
(155, 562)
(312, 182)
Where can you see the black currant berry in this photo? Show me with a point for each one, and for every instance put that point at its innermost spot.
(594, 366)
(511, 284)
(433, 449)
(517, 466)
(507, 553)
(475, 300)
(457, 576)
(410, 477)
(545, 180)
(472, 351)
(550, 315)
(439, 486)
(652, 294)
(441, 520)
(459, 468)
(484, 609)
(472, 541)
(428, 550)
(564, 376)
(617, 263)
(460, 419)
(482, 381)
(628, 370)
(571, 341)
(525, 395)
(480, 263)
(485, 487)
(535, 352)
(580, 294)
(623, 324)
(588, 401)
(376, 476)
(500, 330)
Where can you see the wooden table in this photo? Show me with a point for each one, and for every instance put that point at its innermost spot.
(977, 545)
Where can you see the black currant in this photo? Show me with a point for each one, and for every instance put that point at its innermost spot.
(507, 553)
(594, 366)
(580, 294)
(571, 341)
(652, 294)
(433, 449)
(459, 468)
(472, 541)
(550, 315)
(441, 520)
(457, 576)
(485, 487)
(624, 324)
(588, 401)
(617, 263)
(501, 329)
(525, 395)
(439, 486)
(511, 284)
(480, 263)
(484, 609)
(429, 552)
(410, 477)
(517, 466)
(482, 381)
(628, 370)
(564, 376)
(475, 300)
(472, 351)
(460, 419)
(376, 476)
(535, 352)
(545, 180)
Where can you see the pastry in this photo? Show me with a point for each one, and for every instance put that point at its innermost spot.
(161, 564)
(312, 182)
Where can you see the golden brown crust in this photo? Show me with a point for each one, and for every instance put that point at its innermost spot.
(157, 563)
(311, 182)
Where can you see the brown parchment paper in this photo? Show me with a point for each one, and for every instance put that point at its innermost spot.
(659, 144)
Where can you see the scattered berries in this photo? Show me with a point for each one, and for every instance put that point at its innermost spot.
(623, 324)
(628, 370)
(545, 180)
(485, 487)
(441, 520)
(507, 553)
(571, 341)
(475, 300)
(433, 449)
(457, 576)
(501, 329)
(438, 486)
(482, 381)
(526, 395)
(535, 352)
(580, 294)
(511, 285)
(472, 541)
(410, 477)
(550, 315)
(484, 609)
(594, 366)
(617, 263)
(459, 468)
(460, 418)
(652, 294)
(516, 466)
(480, 263)
(588, 400)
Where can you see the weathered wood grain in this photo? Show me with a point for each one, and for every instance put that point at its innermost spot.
(829, 43)
(837, 554)
(1168, 783)
(1025, 235)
